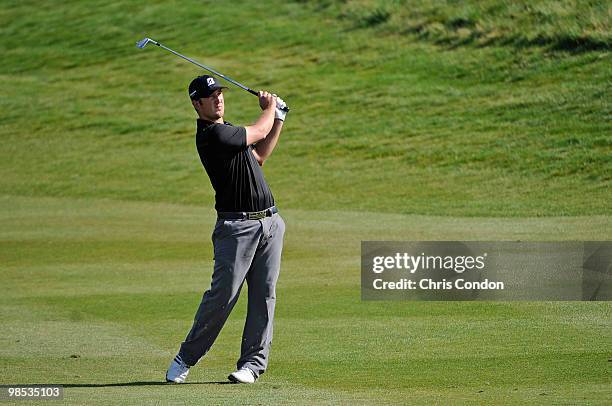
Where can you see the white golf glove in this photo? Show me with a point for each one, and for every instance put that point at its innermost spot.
(280, 113)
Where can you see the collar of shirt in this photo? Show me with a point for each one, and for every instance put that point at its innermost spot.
(202, 123)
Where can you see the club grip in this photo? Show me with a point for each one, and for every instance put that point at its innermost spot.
(285, 109)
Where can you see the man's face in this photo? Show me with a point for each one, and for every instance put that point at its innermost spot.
(213, 107)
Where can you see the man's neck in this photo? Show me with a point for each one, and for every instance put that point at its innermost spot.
(219, 120)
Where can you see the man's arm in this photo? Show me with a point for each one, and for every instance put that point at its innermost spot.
(264, 148)
(264, 124)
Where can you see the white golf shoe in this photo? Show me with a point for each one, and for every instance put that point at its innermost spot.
(243, 375)
(177, 371)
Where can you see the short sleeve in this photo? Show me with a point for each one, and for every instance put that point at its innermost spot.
(229, 136)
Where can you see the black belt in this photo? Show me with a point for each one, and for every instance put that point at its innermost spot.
(246, 215)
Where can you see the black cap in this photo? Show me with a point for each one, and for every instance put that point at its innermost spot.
(203, 86)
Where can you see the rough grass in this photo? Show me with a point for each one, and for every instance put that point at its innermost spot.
(567, 25)
(380, 121)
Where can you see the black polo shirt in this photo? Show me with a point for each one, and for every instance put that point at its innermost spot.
(232, 168)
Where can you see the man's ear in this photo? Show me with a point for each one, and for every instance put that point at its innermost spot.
(196, 104)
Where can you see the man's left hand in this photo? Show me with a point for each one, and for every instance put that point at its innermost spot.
(280, 105)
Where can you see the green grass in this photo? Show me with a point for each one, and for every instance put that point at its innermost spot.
(558, 25)
(381, 121)
(434, 120)
(97, 295)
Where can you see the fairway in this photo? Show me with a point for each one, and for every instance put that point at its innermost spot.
(97, 294)
(410, 121)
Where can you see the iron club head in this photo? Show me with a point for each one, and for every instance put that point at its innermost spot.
(143, 42)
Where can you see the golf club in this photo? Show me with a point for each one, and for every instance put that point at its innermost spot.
(143, 43)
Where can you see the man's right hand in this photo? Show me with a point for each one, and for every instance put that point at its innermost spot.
(266, 100)
(263, 125)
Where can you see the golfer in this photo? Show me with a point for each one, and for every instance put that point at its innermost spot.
(248, 235)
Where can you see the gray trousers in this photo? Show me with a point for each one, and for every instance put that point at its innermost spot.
(244, 250)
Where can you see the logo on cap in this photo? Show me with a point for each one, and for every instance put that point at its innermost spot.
(210, 81)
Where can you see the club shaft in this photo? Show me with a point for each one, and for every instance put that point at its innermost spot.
(145, 41)
(206, 68)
